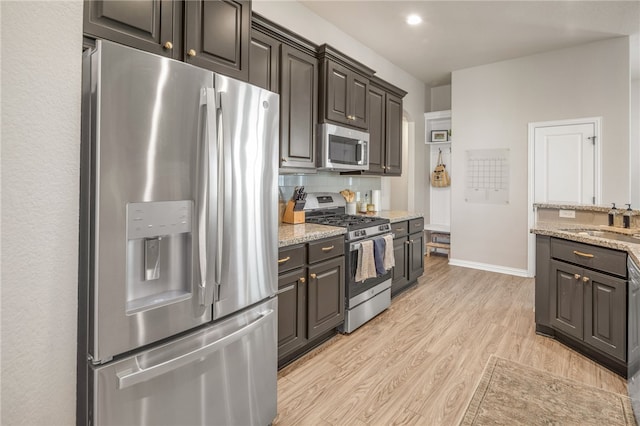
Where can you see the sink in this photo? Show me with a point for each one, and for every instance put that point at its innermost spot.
(606, 234)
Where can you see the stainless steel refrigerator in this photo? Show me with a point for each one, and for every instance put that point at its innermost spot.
(178, 272)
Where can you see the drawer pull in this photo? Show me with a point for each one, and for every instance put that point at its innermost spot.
(284, 260)
(399, 229)
(328, 248)
(576, 276)
(302, 280)
(585, 279)
(313, 276)
(579, 253)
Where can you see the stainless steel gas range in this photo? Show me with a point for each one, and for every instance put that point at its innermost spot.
(366, 298)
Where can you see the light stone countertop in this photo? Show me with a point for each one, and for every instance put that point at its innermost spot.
(583, 207)
(397, 215)
(555, 229)
(289, 235)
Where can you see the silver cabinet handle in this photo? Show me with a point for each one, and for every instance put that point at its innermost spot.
(127, 378)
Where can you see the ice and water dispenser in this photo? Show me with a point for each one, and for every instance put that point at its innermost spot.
(159, 255)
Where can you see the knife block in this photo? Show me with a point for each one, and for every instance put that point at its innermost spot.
(293, 216)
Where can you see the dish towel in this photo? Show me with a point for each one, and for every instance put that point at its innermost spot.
(378, 255)
(389, 258)
(366, 263)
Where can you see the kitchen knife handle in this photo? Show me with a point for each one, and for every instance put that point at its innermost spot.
(127, 378)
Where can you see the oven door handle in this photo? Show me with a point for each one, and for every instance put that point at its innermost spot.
(356, 246)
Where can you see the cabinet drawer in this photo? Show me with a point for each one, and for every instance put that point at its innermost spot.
(593, 257)
(400, 229)
(416, 225)
(291, 257)
(326, 249)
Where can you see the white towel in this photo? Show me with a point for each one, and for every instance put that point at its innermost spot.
(389, 260)
(366, 263)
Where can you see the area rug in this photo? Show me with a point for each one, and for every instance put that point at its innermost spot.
(513, 394)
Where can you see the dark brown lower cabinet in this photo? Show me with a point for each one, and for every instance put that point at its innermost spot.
(584, 300)
(311, 291)
(292, 311)
(408, 250)
(326, 296)
(589, 306)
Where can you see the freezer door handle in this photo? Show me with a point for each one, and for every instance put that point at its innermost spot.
(129, 378)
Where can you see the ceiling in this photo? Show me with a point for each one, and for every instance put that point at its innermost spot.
(461, 34)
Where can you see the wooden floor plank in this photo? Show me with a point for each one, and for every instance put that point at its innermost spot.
(420, 361)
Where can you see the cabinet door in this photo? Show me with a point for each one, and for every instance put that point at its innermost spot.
(400, 272)
(264, 58)
(150, 25)
(292, 311)
(336, 92)
(358, 114)
(416, 255)
(217, 36)
(393, 138)
(326, 296)
(298, 108)
(605, 313)
(376, 130)
(567, 298)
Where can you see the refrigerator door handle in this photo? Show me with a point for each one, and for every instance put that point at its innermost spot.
(208, 180)
(221, 197)
(128, 378)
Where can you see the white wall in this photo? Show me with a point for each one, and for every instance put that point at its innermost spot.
(441, 98)
(634, 122)
(302, 21)
(492, 106)
(41, 71)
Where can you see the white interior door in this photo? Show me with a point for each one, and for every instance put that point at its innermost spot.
(565, 164)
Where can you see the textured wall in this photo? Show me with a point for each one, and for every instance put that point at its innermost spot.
(41, 71)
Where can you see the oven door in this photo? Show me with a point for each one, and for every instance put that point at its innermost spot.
(355, 288)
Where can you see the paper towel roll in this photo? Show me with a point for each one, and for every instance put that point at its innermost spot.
(375, 199)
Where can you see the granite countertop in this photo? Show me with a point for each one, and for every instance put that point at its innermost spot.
(289, 235)
(559, 230)
(397, 215)
(583, 207)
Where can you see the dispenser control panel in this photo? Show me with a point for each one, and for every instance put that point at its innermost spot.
(155, 219)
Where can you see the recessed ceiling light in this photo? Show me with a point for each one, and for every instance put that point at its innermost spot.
(413, 19)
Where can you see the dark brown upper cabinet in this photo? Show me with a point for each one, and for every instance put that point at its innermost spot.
(385, 129)
(286, 63)
(344, 86)
(151, 25)
(217, 36)
(212, 34)
(264, 61)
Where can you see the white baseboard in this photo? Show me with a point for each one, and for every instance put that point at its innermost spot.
(491, 268)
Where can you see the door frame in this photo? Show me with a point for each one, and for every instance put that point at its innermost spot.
(597, 123)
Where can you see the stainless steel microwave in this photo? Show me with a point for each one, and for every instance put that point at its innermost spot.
(341, 148)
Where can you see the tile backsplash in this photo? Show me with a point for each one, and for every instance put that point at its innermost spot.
(325, 182)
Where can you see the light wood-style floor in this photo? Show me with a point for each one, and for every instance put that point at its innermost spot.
(419, 361)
